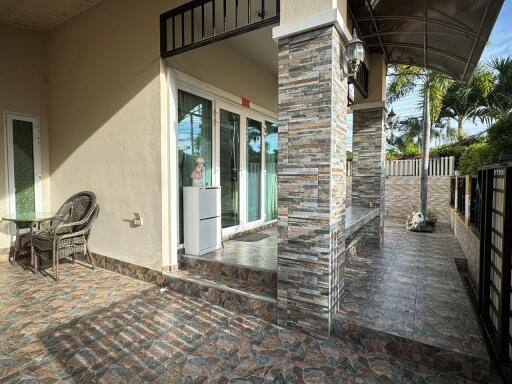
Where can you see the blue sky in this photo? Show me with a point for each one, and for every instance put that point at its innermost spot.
(500, 44)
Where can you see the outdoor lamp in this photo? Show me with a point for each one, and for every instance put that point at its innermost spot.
(391, 119)
(354, 54)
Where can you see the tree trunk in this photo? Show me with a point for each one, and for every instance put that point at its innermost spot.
(460, 129)
(426, 150)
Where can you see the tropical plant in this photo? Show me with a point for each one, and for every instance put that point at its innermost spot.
(432, 85)
(408, 134)
(463, 100)
(499, 101)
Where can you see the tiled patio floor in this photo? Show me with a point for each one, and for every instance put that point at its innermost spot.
(260, 255)
(411, 288)
(98, 326)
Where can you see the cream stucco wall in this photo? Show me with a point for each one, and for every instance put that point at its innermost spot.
(23, 90)
(292, 10)
(108, 126)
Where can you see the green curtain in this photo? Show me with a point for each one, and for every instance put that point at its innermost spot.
(254, 133)
(194, 140)
(23, 151)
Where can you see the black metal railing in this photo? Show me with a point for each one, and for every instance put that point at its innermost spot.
(495, 205)
(474, 205)
(452, 191)
(461, 195)
(201, 22)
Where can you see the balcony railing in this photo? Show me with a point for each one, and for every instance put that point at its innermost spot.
(202, 22)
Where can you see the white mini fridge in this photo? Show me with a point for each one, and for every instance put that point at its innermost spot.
(201, 220)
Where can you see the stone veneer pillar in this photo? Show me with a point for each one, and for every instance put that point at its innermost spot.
(368, 166)
(311, 178)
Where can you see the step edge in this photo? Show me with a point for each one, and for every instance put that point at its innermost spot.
(208, 283)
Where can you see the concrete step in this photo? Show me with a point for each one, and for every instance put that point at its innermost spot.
(239, 275)
(230, 292)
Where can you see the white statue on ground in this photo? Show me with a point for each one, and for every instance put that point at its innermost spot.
(417, 222)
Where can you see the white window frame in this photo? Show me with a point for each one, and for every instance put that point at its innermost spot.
(36, 134)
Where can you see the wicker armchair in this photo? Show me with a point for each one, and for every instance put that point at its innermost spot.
(68, 233)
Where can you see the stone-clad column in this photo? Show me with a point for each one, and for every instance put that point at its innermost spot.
(311, 178)
(368, 166)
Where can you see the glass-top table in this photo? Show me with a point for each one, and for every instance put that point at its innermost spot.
(26, 220)
(29, 217)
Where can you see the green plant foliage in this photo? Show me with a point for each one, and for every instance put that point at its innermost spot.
(499, 136)
(392, 154)
(349, 156)
(463, 100)
(476, 155)
(411, 150)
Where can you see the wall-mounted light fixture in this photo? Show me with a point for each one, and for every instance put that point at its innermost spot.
(391, 120)
(354, 56)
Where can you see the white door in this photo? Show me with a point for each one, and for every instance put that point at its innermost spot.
(24, 178)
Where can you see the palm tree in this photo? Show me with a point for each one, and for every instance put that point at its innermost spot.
(463, 100)
(498, 102)
(433, 86)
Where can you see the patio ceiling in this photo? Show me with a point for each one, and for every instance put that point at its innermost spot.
(448, 36)
(41, 15)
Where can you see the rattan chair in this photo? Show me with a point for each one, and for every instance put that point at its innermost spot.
(68, 233)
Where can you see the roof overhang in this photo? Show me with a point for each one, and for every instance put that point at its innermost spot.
(445, 35)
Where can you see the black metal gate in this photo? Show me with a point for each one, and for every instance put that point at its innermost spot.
(495, 185)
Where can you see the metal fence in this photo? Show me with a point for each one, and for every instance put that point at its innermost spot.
(495, 213)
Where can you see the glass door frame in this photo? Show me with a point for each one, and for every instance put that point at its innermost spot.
(244, 113)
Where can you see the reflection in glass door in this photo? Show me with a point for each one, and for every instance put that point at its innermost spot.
(230, 168)
(194, 140)
(254, 167)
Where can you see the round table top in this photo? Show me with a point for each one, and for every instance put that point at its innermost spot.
(29, 216)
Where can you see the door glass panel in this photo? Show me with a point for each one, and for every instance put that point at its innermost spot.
(254, 132)
(194, 141)
(230, 168)
(23, 151)
(271, 151)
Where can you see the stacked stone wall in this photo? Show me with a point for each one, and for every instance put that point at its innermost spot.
(402, 196)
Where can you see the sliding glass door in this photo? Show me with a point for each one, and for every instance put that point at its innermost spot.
(239, 146)
(229, 167)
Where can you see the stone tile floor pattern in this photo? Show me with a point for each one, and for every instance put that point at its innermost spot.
(99, 326)
(411, 288)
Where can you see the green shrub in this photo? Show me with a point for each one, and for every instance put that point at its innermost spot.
(411, 150)
(392, 154)
(349, 156)
(499, 136)
(476, 155)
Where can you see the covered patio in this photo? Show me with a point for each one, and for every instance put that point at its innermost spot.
(398, 323)
(304, 287)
